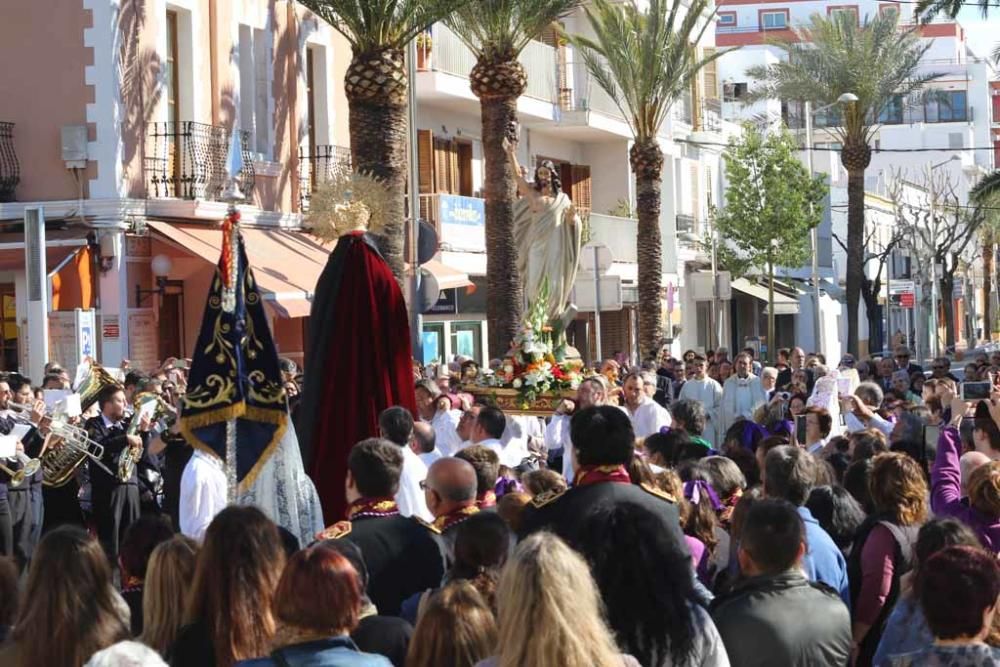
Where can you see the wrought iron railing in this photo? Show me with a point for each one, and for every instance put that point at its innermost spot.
(10, 170)
(318, 165)
(187, 160)
(711, 114)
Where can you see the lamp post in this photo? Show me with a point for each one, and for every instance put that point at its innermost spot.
(846, 98)
(935, 338)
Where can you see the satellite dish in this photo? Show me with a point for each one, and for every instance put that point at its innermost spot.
(428, 292)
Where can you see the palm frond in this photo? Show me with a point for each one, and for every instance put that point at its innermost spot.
(644, 60)
(370, 25)
(928, 9)
(830, 56)
(987, 190)
(500, 29)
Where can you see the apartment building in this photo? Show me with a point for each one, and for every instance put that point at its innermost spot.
(114, 129)
(567, 118)
(952, 130)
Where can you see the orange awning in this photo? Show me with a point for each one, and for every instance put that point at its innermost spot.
(287, 264)
(59, 245)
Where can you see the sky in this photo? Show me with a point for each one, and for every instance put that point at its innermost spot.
(983, 33)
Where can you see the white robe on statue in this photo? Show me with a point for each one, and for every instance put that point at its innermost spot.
(548, 251)
(285, 493)
(708, 392)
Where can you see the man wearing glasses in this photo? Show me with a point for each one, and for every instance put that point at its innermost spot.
(941, 368)
(903, 362)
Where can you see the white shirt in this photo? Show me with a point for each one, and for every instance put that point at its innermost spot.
(740, 398)
(876, 422)
(445, 436)
(709, 393)
(203, 493)
(429, 457)
(510, 454)
(410, 497)
(648, 418)
(557, 437)
(817, 446)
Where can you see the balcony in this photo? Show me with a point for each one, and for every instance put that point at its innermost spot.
(683, 109)
(711, 115)
(187, 160)
(10, 170)
(618, 234)
(445, 53)
(318, 165)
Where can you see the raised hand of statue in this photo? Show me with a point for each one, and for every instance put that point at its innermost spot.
(569, 215)
(509, 147)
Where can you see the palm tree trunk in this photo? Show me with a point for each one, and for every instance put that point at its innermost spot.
(987, 287)
(503, 284)
(855, 252)
(647, 165)
(378, 147)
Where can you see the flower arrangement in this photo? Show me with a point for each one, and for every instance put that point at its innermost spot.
(531, 366)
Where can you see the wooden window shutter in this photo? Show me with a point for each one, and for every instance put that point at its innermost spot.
(445, 166)
(425, 161)
(711, 76)
(580, 192)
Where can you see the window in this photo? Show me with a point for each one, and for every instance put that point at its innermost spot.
(774, 20)
(892, 114)
(734, 92)
(953, 106)
(727, 19)
(886, 9)
(850, 13)
(254, 58)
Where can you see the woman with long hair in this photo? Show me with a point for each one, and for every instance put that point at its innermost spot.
(883, 548)
(550, 610)
(228, 614)
(648, 591)
(168, 576)
(456, 628)
(317, 605)
(69, 609)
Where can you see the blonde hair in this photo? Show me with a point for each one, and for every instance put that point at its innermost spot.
(550, 612)
(984, 488)
(168, 577)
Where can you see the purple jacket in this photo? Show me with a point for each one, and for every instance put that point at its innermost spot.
(946, 493)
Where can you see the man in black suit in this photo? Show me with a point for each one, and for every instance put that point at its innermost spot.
(115, 503)
(403, 556)
(603, 444)
(903, 362)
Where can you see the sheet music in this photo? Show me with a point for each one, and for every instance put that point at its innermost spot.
(8, 446)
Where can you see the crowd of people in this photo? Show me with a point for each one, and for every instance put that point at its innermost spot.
(701, 511)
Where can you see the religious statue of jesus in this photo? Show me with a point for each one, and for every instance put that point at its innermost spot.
(548, 234)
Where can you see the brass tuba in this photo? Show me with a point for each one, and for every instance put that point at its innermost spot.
(67, 445)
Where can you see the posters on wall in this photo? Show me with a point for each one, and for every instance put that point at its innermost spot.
(72, 336)
(143, 341)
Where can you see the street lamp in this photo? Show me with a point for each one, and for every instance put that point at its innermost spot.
(845, 98)
(934, 229)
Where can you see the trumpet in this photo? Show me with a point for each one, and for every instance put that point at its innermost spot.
(28, 468)
(21, 410)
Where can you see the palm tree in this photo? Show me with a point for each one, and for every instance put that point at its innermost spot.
(375, 83)
(877, 62)
(645, 60)
(496, 31)
(986, 194)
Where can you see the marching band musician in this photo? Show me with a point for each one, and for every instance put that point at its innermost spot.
(18, 496)
(33, 443)
(115, 503)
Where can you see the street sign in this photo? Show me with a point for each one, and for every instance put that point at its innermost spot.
(901, 293)
(604, 257)
(901, 287)
(906, 300)
(611, 292)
